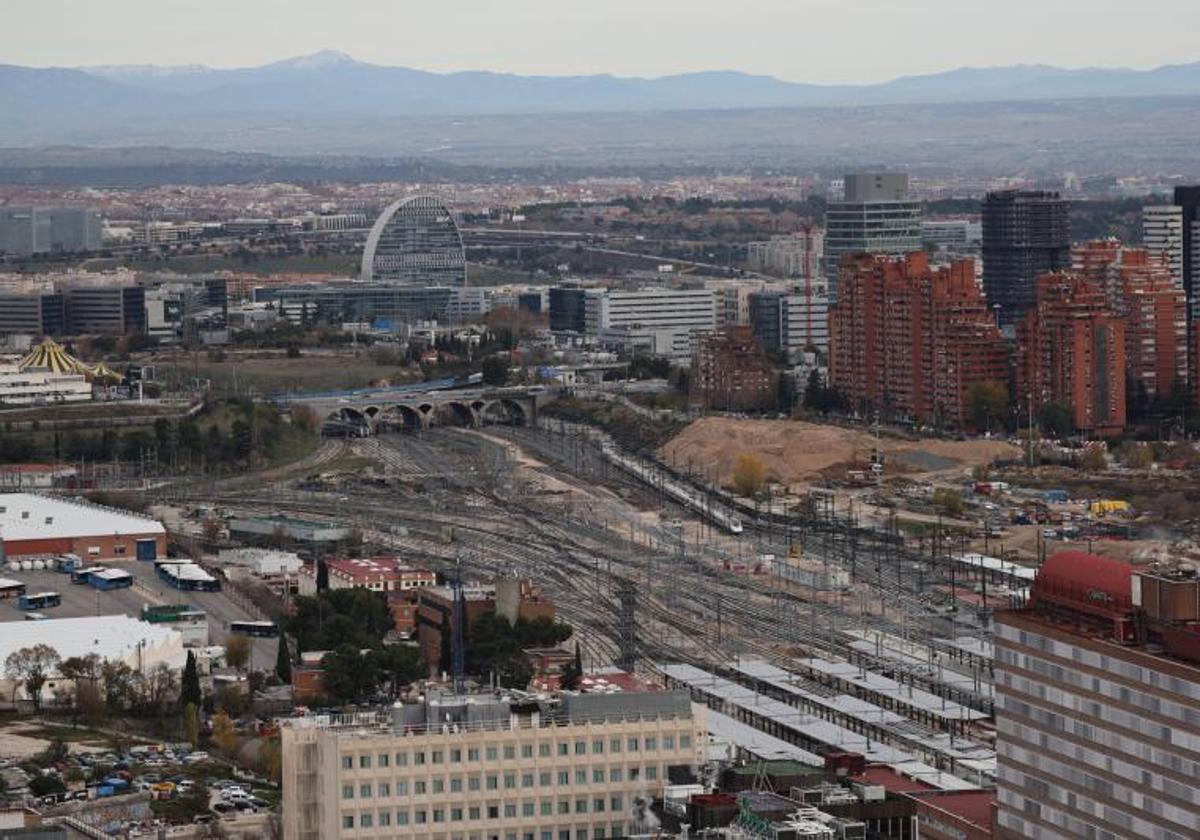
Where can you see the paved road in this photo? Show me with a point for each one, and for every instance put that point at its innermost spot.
(81, 600)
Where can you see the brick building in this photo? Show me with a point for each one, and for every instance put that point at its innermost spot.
(730, 372)
(1097, 681)
(1071, 351)
(1141, 289)
(909, 340)
(511, 598)
(379, 574)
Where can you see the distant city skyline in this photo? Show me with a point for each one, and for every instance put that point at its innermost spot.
(817, 41)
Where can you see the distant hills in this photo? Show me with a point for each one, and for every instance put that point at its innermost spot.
(332, 82)
(330, 104)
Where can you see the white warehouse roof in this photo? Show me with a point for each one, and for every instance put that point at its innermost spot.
(31, 516)
(111, 637)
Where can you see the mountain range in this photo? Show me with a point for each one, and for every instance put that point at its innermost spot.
(332, 82)
(327, 105)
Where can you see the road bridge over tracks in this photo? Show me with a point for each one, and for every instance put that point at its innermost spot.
(361, 414)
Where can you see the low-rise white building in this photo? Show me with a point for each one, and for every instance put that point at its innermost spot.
(38, 386)
(114, 638)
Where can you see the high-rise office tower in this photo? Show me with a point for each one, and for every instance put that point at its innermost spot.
(37, 230)
(415, 242)
(1097, 684)
(1162, 234)
(875, 216)
(1187, 199)
(1025, 234)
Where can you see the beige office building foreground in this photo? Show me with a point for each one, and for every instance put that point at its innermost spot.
(484, 767)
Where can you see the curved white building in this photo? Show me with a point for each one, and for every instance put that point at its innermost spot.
(415, 242)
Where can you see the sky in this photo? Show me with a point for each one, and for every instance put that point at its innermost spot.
(820, 41)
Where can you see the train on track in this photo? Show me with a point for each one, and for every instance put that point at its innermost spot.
(684, 494)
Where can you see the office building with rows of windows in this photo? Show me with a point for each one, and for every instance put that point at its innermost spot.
(483, 767)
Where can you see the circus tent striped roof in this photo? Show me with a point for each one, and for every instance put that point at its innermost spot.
(52, 356)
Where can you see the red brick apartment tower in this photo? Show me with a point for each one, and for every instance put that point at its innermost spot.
(1071, 350)
(1097, 684)
(1140, 289)
(909, 339)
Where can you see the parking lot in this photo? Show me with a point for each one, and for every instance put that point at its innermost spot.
(83, 600)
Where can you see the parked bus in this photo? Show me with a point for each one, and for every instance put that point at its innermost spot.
(39, 601)
(262, 629)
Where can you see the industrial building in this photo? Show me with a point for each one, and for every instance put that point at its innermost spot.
(910, 339)
(1071, 352)
(415, 242)
(1097, 680)
(33, 526)
(1026, 234)
(486, 765)
(114, 638)
(270, 529)
(875, 216)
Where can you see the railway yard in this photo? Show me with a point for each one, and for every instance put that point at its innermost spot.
(820, 634)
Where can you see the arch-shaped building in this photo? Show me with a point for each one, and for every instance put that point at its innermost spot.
(415, 242)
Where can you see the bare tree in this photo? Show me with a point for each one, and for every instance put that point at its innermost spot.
(31, 667)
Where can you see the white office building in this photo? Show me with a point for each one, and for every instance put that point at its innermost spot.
(804, 319)
(794, 255)
(1162, 234)
(665, 316)
(40, 386)
(488, 768)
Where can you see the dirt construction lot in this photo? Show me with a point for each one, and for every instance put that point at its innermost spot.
(798, 453)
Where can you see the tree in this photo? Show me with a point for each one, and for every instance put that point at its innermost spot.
(118, 684)
(1056, 420)
(225, 735)
(241, 439)
(573, 671)
(191, 724)
(398, 666)
(348, 675)
(948, 500)
(322, 575)
(31, 667)
(237, 651)
(231, 699)
(1093, 460)
(987, 402)
(495, 370)
(749, 474)
(1136, 456)
(270, 759)
(283, 661)
(189, 684)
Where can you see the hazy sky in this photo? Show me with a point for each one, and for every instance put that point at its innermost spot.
(800, 40)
